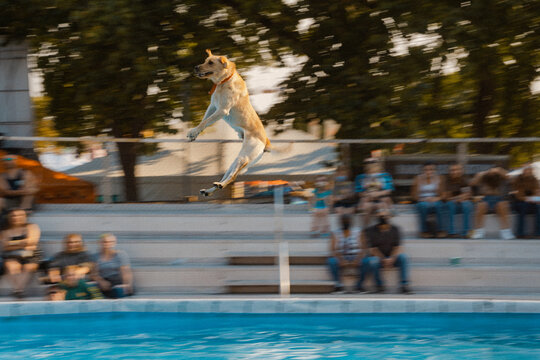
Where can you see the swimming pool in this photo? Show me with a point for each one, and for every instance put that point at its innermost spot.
(273, 335)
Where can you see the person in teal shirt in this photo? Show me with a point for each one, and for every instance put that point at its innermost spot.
(321, 205)
(76, 288)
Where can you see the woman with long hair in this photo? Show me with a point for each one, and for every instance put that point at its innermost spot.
(21, 252)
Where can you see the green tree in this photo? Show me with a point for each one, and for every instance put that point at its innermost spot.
(491, 92)
(365, 71)
(123, 67)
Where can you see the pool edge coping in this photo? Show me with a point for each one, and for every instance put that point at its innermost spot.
(270, 306)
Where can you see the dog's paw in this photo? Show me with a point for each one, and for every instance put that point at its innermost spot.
(192, 134)
(204, 192)
(218, 185)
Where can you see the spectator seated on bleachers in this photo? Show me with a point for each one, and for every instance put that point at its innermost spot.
(346, 251)
(73, 253)
(75, 287)
(112, 269)
(55, 293)
(344, 198)
(427, 190)
(384, 244)
(492, 186)
(17, 186)
(374, 188)
(321, 203)
(458, 200)
(526, 193)
(21, 254)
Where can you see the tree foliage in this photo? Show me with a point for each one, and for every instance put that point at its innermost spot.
(122, 67)
(380, 68)
(418, 69)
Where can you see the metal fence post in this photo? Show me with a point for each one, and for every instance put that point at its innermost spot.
(221, 162)
(283, 246)
(187, 169)
(462, 153)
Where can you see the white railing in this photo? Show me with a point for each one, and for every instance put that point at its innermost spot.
(108, 143)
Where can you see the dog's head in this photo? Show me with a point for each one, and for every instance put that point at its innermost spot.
(214, 67)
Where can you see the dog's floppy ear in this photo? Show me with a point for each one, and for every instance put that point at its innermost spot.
(209, 52)
(223, 60)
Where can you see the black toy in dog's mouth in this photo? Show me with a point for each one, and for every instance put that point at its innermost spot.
(204, 74)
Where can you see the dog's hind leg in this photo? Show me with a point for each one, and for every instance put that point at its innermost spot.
(251, 151)
(208, 192)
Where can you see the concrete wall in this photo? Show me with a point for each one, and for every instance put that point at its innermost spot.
(15, 105)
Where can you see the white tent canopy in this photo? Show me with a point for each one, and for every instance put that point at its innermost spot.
(175, 160)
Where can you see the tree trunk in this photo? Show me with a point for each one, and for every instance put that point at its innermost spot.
(128, 158)
(483, 106)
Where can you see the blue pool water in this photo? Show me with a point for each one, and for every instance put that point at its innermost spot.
(271, 336)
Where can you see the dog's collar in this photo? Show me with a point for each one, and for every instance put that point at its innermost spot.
(216, 85)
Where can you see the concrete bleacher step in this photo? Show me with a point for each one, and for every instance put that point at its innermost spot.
(424, 277)
(271, 287)
(480, 252)
(272, 259)
(199, 218)
(214, 249)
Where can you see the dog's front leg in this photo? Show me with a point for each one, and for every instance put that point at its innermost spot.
(207, 121)
(193, 133)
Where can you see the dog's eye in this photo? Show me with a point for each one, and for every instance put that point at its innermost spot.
(210, 62)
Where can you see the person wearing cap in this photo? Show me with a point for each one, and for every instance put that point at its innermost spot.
(17, 186)
(374, 188)
(383, 241)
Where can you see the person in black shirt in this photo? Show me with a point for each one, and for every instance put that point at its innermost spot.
(73, 253)
(458, 200)
(383, 241)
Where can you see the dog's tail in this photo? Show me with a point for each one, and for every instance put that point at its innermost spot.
(280, 150)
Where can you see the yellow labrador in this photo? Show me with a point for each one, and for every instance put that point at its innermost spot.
(230, 101)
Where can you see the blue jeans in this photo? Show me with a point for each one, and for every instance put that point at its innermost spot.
(523, 208)
(492, 201)
(424, 208)
(464, 207)
(333, 265)
(374, 264)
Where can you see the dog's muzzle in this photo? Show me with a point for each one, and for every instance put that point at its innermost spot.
(198, 72)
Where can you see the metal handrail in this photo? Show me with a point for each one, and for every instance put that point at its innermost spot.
(331, 141)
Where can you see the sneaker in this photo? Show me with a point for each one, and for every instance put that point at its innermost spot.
(405, 290)
(425, 235)
(441, 235)
(380, 289)
(361, 290)
(506, 234)
(18, 294)
(478, 234)
(338, 289)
